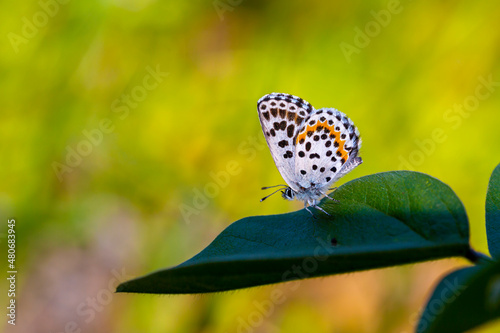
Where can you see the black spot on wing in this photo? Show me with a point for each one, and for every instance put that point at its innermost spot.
(283, 125)
(283, 143)
(282, 112)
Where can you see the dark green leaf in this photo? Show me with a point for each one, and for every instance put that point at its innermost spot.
(382, 220)
(493, 213)
(462, 300)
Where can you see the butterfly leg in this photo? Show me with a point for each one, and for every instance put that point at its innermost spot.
(321, 209)
(307, 208)
(329, 197)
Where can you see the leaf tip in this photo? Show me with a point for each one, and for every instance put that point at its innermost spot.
(122, 287)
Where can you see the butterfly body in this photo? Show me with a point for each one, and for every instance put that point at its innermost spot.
(311, 148)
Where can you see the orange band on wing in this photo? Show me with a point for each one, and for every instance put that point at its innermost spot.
(340, 148)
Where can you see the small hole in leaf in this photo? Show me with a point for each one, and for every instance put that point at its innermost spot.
(334, 241)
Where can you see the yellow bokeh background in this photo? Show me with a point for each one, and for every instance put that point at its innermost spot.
(103, 162)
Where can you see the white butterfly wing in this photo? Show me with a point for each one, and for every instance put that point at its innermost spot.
(327, 148)
(281, 116)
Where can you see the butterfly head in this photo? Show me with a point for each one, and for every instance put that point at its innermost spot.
(288, 193)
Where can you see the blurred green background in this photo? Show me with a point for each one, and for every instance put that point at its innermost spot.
(103, 162)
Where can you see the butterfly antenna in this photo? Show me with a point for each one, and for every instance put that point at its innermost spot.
(267, 196)
(267, 187)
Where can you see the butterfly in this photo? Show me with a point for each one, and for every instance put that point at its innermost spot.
(311, 148)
